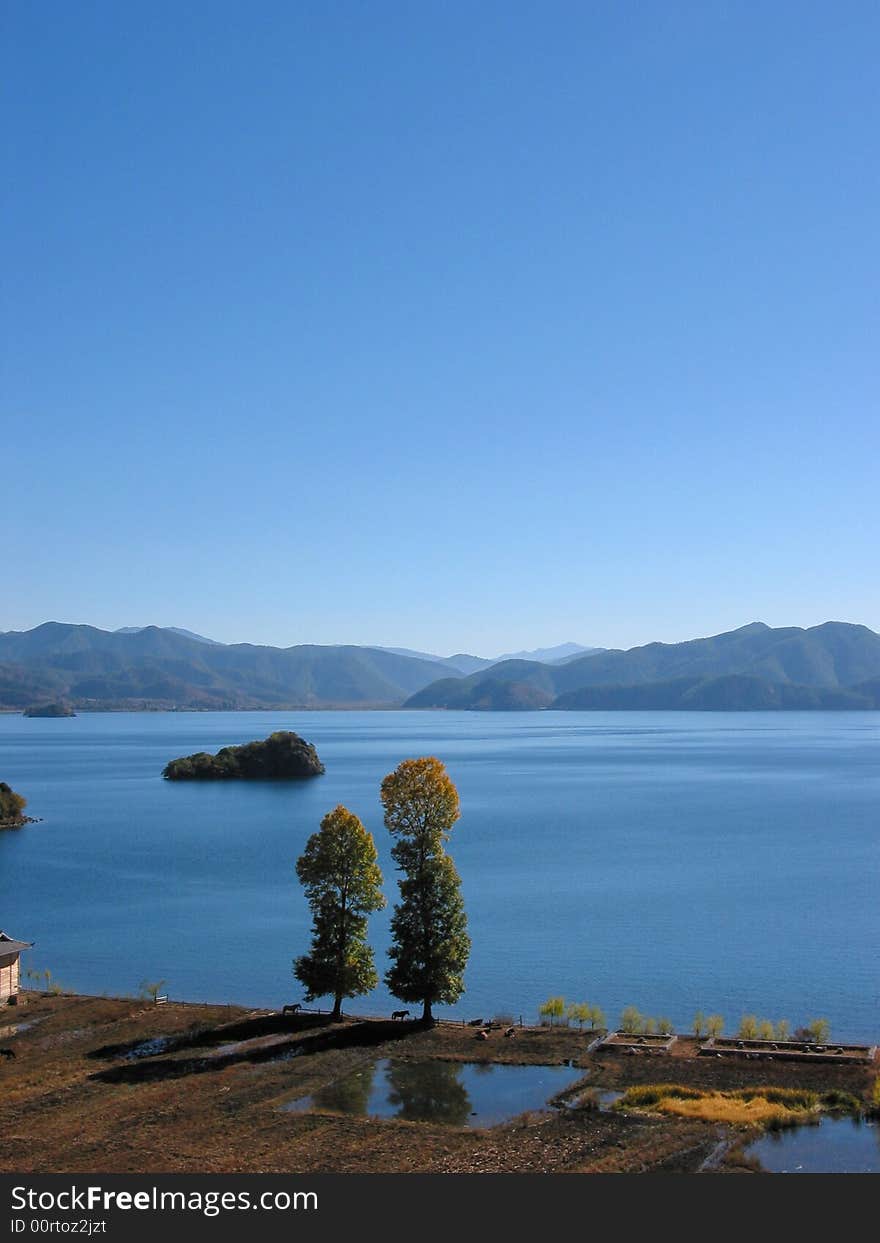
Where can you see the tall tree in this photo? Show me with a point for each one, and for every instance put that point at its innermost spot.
(430, 944)
(342, 881)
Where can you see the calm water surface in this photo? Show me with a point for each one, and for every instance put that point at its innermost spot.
(675, 861)
(456, 1094)
(834, 1146)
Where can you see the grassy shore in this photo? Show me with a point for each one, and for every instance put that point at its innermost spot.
(206, 1096)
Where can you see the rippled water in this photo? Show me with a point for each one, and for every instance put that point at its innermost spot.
(675, 861)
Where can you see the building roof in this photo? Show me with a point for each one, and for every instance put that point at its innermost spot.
(9, 946)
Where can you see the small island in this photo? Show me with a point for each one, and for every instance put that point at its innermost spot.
(53, 709)
(12, 807)
(282, 755)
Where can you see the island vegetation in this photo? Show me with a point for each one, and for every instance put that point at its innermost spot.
(283, 755)
(58, 708)
(12, 807)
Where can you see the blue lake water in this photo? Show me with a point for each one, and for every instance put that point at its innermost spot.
(674, 861)
(458, 1094)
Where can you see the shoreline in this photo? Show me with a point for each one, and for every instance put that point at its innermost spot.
(191, 1087)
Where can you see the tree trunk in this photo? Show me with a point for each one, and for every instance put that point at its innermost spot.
(427, 1016)
(336, 1016)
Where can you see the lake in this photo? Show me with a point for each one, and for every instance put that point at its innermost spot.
(673, 861)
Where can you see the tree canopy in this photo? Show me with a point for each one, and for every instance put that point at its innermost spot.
(12, 806)
(430, 944)
(342, 883)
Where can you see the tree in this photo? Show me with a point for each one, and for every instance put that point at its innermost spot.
(715, 1026)
(12, 806)
(699, 1024)
(765, 1030)
(820, 1031)
(342, 881)
(597, 1017)
(553, 1008)
(748, 1027)
(664, 1026)
(631, 1021)
(783, 1031)
(430, 944)
(579, 1012)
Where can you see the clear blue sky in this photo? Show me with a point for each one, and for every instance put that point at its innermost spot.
(447, 325)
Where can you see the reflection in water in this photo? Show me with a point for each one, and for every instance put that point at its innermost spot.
(451, 1093)
(347, 1096)
(428, 1091)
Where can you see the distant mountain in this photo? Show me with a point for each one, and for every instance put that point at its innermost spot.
(836, 665)
(550, 655)
(836, 656)
(464, 663)
(160, 668)
(735, 692)
(461, 662)
(187, 634)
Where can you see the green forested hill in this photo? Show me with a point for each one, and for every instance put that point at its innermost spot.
(159, 667)
(737, 669)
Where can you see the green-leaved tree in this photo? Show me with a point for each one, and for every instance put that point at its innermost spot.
(342, 881)
(430, 944)
(579, 1012)
(552, 1008)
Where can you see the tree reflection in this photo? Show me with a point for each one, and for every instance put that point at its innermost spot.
(350, 1095)
(428, 1092)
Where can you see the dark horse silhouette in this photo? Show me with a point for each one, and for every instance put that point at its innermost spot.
(400, 1014)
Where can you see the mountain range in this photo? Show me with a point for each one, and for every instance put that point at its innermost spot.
(836, 665)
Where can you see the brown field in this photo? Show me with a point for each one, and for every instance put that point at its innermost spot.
(72, 1101)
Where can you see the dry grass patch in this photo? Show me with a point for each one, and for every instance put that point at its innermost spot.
(752, 1107)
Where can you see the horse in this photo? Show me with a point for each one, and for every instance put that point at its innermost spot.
(294, 1009)
(399, 1014)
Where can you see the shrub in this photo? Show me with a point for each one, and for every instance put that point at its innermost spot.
(783, 1031)
(845, 1102)
(648, 1094)
(765, 1030)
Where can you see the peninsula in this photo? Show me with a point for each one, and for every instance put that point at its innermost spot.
(283, 755)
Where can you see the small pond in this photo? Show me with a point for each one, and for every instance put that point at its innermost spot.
(473, 1094)
(835, 1146)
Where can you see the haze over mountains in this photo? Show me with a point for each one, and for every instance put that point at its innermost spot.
(836, 665)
